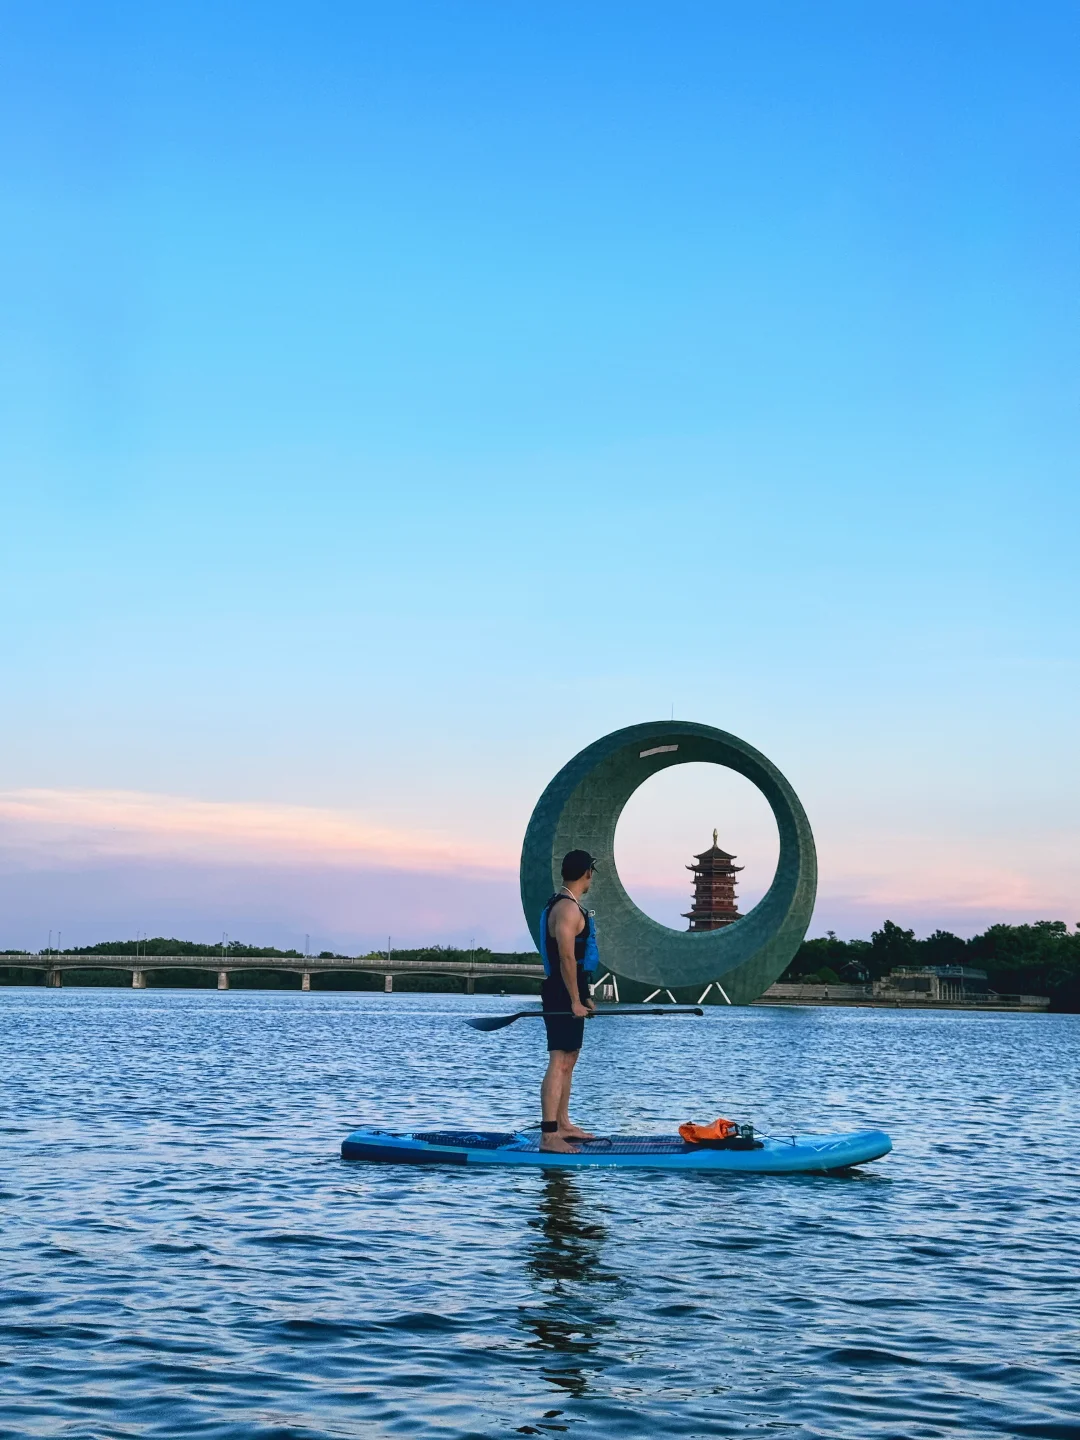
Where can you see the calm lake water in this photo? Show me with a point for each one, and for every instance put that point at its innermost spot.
(184, 1253)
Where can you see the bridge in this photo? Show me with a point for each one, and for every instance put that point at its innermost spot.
(139, 966)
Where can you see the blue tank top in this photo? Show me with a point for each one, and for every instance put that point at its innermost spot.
(586, 951)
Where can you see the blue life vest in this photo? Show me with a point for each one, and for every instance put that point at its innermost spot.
(586, 950)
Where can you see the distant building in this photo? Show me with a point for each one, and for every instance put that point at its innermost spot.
(935, 982)
(948, 987)
(714, 889)
(854, 973)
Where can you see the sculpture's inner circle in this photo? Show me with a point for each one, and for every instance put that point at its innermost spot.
(670, 819)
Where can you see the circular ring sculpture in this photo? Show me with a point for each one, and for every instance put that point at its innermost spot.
(579, 811)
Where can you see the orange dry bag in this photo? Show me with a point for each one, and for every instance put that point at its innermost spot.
(719, 1130)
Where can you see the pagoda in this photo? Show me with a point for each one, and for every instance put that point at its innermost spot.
(714, 889)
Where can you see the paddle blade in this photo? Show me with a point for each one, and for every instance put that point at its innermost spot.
(491, 1022)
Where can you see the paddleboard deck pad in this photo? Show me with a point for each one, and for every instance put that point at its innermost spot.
(774, 1155)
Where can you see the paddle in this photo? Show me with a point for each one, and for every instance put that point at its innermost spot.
(497, 1022)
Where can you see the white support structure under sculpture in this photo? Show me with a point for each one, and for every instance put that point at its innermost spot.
(704, 993)
(614, 985)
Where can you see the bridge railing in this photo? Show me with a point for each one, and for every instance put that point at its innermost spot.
(476, 969)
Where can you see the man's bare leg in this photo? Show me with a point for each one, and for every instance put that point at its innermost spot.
(567, 1129)
(555, 1098)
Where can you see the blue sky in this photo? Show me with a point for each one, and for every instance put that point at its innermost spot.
(398, 397)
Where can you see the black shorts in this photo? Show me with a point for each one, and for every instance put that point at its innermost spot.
(564, 1032)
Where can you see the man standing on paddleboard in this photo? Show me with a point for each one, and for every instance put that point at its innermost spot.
(568, 934)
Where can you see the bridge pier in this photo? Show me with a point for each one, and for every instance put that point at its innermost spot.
(388, 984)
(305, 980)
(223, 979)
(54, 979)
(138, 979)
(470, 984)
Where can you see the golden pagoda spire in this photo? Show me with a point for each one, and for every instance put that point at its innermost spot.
(714, 837)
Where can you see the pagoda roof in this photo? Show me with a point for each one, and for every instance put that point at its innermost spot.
(713, 853)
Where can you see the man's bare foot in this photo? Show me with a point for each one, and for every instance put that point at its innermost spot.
(575, 1132)
(557, 1144)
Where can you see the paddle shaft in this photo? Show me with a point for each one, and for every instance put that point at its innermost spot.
(609, 1014)
(488, 1023)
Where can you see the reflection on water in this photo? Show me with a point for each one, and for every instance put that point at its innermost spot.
(567, 1242)
(564, 1260)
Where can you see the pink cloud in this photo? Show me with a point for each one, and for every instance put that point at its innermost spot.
(79, 825)
(102, 864)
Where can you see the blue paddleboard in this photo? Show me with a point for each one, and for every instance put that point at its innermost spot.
(770, 1155)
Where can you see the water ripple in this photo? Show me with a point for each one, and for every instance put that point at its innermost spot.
(185, 1255)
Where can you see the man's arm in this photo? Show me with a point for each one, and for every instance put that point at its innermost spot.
(568, 925)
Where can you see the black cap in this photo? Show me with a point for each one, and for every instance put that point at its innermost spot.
(576, 863)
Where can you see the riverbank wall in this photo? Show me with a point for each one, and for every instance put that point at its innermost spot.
(865, 996)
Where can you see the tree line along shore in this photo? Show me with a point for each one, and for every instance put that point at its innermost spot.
(1042, 957)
